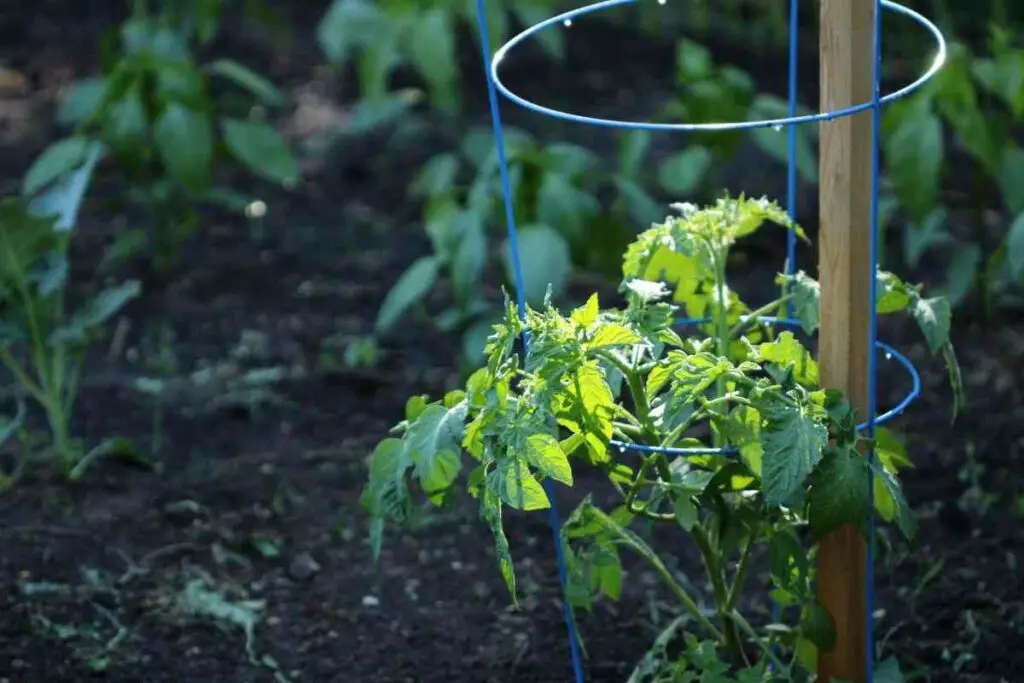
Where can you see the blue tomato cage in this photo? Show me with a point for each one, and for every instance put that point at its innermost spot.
(492, 66)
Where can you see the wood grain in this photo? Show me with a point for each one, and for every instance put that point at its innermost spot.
(845, 269)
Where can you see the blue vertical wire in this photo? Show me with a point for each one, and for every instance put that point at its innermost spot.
(791, 178)
(791, 168)
(517, 270)
(876, 115)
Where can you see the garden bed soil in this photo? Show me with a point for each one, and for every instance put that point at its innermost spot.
(143, 576)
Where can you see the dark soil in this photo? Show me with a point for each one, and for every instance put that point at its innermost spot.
(255, 493)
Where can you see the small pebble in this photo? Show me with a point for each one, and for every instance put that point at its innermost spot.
(303, 567)
(370, 601)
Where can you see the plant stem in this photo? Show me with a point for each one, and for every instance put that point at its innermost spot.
(636, 390)
(713, 567)
(751, 318)
(684, 598)
(740, 577)
(745, 626)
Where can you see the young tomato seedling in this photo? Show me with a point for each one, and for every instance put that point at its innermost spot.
(726, 434)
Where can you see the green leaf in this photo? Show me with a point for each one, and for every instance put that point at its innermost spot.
(247, 79)
(775, 142)
(115, 448)
(693, 61)
(55, 161)
(513, 481)
(929, 233)
(545, 259)
(685, 512)
(787, 560)
(433, 444)
(184, 139)
(642, 208)
(817, 625)
(682, 173)
(436, 177)
(83, 100)
(890, 451)
(889, 500)
(490, 511)
(531, 12)
(613, 334)
(742, 429)
(62, 200)
(96, 312)
(259, 147)
(793, 444)
(806, 294)
(544, 452)
(125, 122)
(839, 494)
(432, 47)
(1011, 179)
(349, 24)
(1015, 248)
(962, 273)
(632, 150)
(49, 274)
(787, 352)
(386, 495)
(182, 83)
(414, 284)
(564, 206)
(568, 160)
(470, 255)
(888, 671)
(934, 317)
(914, 157)
(893, 295)
(10, 426)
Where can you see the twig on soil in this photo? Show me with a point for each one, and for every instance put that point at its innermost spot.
(142, 567)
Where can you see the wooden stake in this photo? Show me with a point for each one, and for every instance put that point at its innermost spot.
(845, 269)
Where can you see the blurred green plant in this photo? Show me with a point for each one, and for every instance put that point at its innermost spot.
(980, 101)
(154, 110)
(709, 92)
(556, 190)
(42, 343)
(379, 38)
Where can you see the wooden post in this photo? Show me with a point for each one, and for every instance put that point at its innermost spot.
(845, 269)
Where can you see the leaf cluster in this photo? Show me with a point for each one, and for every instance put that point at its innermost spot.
(154, 110)
(727, 434)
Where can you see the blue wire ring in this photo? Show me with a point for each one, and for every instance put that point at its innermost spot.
(499, 56)
(891, 354)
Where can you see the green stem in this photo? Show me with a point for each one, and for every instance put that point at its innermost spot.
(745, 626)
(26, 382)
(678, 431)
(680, 593)
(713, 567)
(740, 577)
(636, 390)
(751, 318)
(721, 323)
